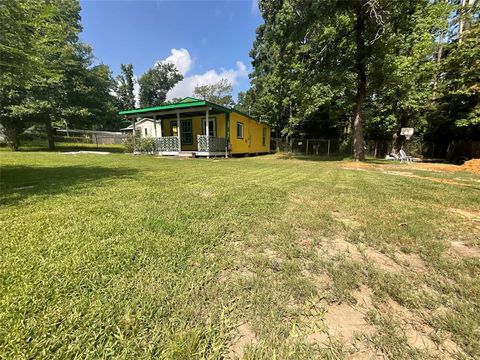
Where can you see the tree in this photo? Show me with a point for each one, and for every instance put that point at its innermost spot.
(125, 87)
(372, 65)
(219, 93)
(47, 75)
(157, 82)
(245, 102)
(17, 66)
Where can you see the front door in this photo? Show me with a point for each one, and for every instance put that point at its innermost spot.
(186, 131)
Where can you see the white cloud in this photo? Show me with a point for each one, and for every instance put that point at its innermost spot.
(185, 88)
(181, 59)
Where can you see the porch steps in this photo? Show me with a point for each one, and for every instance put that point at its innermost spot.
(186, 154)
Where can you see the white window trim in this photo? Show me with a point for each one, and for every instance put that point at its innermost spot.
(204, 124)
(243, 130)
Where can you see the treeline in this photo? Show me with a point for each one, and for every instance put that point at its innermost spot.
(364, 69)
(48, 78)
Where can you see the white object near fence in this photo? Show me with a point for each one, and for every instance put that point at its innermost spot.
(407, 132)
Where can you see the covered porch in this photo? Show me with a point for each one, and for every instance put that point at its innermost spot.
(191, 127)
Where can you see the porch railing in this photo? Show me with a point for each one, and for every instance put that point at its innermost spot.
(208, 143)
(166, 144)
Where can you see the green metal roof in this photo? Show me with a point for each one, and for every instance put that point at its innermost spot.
(180, 105)
(188, 99)
(187, 102)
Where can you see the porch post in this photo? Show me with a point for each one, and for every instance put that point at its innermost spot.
(155, 125)
(207, 132)
(133, 133)
(160, 125)
(178, 133)
(207, 128)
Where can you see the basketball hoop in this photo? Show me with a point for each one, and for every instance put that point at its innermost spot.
(407, 132)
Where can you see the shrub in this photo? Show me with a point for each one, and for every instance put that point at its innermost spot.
(128, 143)
(143, 145)
(146, 145)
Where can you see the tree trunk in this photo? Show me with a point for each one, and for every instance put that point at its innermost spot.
(441, 40)
(358, 140)
(50, 138)
(439, 59)
(11, 133)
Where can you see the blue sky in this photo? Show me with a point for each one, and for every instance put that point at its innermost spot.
(206, 40)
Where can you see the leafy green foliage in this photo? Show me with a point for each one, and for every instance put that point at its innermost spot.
(47, 75)
(420, 72)
(156, 82)
(125, 87)
(219, 93)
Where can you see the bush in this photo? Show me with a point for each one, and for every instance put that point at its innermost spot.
(143, 145)
(128, 143)
(146, 145)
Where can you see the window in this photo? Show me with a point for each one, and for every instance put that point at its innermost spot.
(146, 131)
(264, 136)
(173, 128)
(186, 132)
(211, 126)
(239, 130)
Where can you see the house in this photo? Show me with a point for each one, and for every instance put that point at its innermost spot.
(182, 128)
(144, 127)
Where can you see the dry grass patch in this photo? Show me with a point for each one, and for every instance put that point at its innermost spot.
(243, 337)
(464, 251)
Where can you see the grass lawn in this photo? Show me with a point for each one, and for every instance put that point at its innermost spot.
(122, 256)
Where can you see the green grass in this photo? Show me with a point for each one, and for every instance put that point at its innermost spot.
(124, 256)
(41, 145)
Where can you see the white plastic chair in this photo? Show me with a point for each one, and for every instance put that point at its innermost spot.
(404, 158)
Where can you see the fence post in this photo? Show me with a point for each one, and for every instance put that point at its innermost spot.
(96, 140)
(375, 152)
(328, 148)
(306, 150)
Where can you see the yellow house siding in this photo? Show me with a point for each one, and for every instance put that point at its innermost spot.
(252, 135)
(197, 128)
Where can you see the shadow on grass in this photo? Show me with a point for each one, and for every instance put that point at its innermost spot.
(19, 182)
(37, 145)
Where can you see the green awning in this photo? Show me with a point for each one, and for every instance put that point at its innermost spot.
(185, 103)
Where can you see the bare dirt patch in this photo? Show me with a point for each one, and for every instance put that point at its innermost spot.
(411, 261)
(303, 237)
(329, 248)
(464, 250)
(418, 333)
(382, 261)
(338, 322)
(468, 214)
(412, 175)
(355, 165)
(364, 297)
(347, 322)
(321, 281)
(244, 336)
(352, 168)
(205, 194)
(472, 166)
